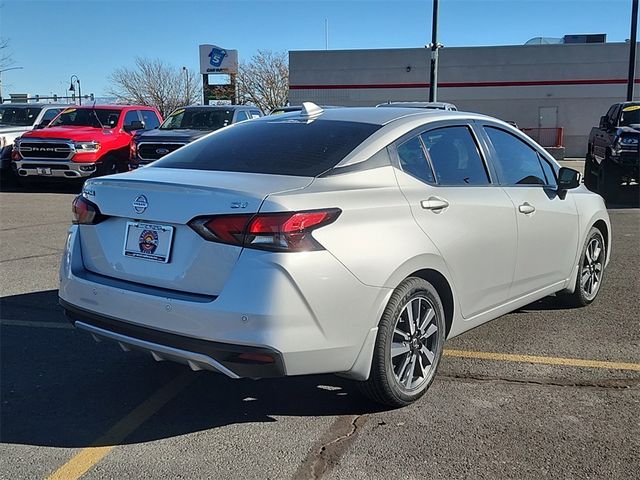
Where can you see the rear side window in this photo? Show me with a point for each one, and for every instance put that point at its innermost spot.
(278, 147)
(150, 119)
(414, 161)
(241, 116)
(517, 163)
(455, 156)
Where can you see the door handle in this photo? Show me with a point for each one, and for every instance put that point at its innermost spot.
(526, 208)
(435, 204)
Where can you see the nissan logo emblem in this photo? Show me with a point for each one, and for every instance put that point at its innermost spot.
(140, 204)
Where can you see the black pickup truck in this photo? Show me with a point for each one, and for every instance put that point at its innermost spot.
(613, 155)
(183, 126)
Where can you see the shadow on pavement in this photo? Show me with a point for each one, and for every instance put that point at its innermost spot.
(10, 184)
(61, 389)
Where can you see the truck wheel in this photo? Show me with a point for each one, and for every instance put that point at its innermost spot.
(609, 180)
(590, 176)
(590, 273)
(109, 166)
(408, 346)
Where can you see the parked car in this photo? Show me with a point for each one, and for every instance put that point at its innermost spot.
(295, 108)
(18, 118)
(83, 141)
(184, 126)
(613, 154)
(350, 240)
(427, 105)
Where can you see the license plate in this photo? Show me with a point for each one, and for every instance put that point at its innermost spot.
(43, 171)
(148, 241)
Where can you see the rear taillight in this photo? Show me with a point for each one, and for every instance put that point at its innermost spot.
(133, 150)
(85, 212)
(285, 232)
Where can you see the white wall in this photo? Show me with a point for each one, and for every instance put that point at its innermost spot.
(579, 104)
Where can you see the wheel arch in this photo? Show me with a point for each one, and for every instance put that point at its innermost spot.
(604, 229)
(445, 292)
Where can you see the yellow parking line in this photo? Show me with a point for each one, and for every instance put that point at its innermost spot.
(567, 362)
(88, 457)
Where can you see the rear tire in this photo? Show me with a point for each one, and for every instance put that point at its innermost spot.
(590, 272)
(408, 345)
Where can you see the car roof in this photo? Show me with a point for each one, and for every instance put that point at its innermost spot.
(219, 107)
(374, 115)
(35, 105)
(433, 105)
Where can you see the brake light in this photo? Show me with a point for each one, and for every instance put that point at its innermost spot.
(286, 232)
(85, 212)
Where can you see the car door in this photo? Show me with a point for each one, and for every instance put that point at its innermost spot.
(547, 222)
(443, 175)
(602, 137)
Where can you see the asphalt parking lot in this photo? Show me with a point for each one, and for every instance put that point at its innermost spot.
(544, 392)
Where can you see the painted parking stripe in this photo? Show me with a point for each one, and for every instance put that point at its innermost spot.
(86, 458)
(567, 362)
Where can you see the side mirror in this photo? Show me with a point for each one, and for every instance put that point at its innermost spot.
(568, 179)
(604, 122)
(133, 126)
(40, 126)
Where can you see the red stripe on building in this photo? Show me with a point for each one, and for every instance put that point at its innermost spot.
(531, 83)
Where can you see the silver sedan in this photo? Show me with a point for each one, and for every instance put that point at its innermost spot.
(347, 240)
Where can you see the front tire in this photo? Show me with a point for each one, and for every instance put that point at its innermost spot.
(590, 176)
(408, 346)
(590, 273)
(609, 180)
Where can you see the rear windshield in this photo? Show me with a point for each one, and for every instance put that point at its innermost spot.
(279, 147)
(198, 119)
(18, 116)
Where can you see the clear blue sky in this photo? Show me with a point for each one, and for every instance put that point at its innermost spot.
(57, 38)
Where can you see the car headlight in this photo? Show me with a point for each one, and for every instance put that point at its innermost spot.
(629, 141)
(87, 147)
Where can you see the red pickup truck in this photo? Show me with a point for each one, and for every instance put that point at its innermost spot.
(83, 141)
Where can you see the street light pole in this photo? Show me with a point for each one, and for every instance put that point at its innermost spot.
(6, 70)
(186, 85)
(73, 89)
(434, 46)
(633, 39)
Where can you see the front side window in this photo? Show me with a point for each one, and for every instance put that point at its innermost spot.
(130, 117)
(277, 147)
(18, 116)
(50, 115)
(241, 116)
(516, 162)
(255, 114)
(88, 117)
(414, 161)
(150, 119)
(455, 156)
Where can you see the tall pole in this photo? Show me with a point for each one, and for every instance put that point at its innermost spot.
(433, 79)
(633, 40)
(326, 34)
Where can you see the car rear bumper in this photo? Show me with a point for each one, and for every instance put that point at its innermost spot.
(235, 361)
(54, 168)
(307, 311)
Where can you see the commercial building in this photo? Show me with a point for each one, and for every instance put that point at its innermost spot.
(565, 85)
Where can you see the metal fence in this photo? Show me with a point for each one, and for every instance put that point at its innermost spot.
(546, 137)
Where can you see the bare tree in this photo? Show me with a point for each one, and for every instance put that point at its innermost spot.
(264, 80)
(153, 82)
(5, 55)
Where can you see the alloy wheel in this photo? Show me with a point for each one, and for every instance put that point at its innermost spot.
(413, 348)
(591, 273)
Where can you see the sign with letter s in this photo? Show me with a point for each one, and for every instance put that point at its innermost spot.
(214, 59)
